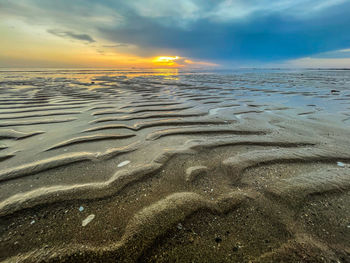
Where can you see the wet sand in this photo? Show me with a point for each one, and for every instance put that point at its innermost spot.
(167, 166)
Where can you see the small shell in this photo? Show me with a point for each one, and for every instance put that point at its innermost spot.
(88, 220)
(123, 163)
(340, 164)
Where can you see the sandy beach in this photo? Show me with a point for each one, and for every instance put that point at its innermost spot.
(171, 166)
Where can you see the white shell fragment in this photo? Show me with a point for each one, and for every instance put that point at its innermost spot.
(340, 164)
(88, 220)
(123, 163)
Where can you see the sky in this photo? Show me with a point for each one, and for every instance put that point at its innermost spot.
(175, 33)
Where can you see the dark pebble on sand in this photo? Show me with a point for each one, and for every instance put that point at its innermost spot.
(218, 239)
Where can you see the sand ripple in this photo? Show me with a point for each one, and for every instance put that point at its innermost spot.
(269, 143)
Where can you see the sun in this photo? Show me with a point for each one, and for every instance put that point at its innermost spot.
(166, 60)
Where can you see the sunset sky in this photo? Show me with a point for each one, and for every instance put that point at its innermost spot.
(181, 33)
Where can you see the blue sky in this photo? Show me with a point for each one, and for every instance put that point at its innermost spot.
(229, 33)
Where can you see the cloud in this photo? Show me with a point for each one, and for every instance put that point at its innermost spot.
(221, 31)
(238, 9)
(344, 53)
(261, 38)
(71, 35)
(115, 45)
(309, 62)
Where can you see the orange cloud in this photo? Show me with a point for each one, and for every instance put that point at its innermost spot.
(169, 61)
(21, 49)
(200, 63)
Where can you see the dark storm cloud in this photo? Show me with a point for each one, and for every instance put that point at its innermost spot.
(262, 37)
(222, 30)
(71, 35)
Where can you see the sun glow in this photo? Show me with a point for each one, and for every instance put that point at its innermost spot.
(166, 61)
(21, 49)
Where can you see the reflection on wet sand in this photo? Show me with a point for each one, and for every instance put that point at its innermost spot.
(260, 148)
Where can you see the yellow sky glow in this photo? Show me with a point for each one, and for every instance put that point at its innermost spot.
(166, 61)
(26, 46)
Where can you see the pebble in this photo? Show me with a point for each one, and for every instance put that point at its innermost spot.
(218, 239)
(340, 164)
(88, 220)
(123, 163)
(81, 208)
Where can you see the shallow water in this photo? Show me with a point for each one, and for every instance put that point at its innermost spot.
(44, 113)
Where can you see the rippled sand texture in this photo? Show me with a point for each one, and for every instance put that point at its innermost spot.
(165, 166)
